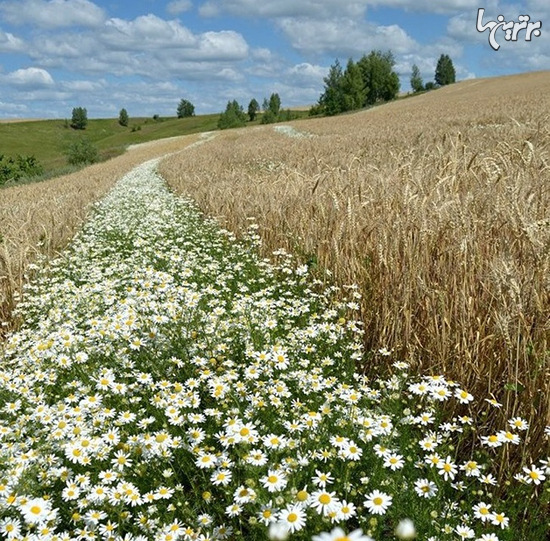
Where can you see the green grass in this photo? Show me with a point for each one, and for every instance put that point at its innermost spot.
(48, 139)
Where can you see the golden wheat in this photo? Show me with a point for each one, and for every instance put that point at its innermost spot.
(438, 206)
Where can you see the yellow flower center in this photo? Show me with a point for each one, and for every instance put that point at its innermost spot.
(378, 501)
(325, 499)
(292, 517)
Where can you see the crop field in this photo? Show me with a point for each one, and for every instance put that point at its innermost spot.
(332, 330)
(437, 206)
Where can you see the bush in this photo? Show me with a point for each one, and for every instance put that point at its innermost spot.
(185, 109)
(13, 169)
(269, 117)
(81, 152)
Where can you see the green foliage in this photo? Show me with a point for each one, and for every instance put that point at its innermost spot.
(417, 84)
(253, 107)
(265, 105)
(274, 104)
(287, 115)
(233, 117)
(445, 71)
(430, 85)
(81, 151)
(316, 110)
(185, 109)
(353, 87)
(13, 169)
(381, 82)
(268, 118)
(79, 119)
(123, 117)
(332, 99)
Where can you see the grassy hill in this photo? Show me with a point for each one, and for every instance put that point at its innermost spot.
(48, 139)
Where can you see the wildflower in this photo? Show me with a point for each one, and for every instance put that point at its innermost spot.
(393, 461)
(378, 502)
(534, 475)
(324, 502)
(499, 519)
(447, 469)
(244, 494)
(491, 441)
(425, 488)
(36, 510)
(464, 532)
(322, 479)
(278, 531)
(10, 527)
(233, 510)
(488, 537)
(464, 397)
(274, 481)
(293, 518)
(221, 477)
(405, 529)
(346, 510)
(471, 468)
(482, 511)
(518, 423)
(267, 513)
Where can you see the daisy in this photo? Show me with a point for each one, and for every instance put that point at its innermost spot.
(425, 488)
(465, 532)
(534, 475)
(393, 461)
(274, 481)
(324, 502)
(488, 537)
(10, 527)
(293, 518)
(221, 477)
(471, 468)
(36, 510)
(378, 502)
(347, 510)
(482, 511)
(267, 514)
(518, 423)
(322, 479)
(464, 397)
(499, 519)
(447, 469)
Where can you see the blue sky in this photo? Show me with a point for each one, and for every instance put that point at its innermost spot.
(145, 55)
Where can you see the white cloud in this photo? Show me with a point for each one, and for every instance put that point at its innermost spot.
(30, 78)
(53, 13)
(10, 43)
(344, 36)
(179, 6)
(307, 74)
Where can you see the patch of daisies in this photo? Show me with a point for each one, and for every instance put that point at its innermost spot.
(168, 384)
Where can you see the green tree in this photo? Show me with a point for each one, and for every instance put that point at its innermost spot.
(123, 117)
(352, 87)
(253, 107)
(79, 119)
(381, 82)
(332, 99)
(417, 84)
(445, 71)
(185, 109)
(275, 104)
(233, 117)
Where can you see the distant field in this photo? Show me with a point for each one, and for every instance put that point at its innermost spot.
(437, 206)
(47, 139)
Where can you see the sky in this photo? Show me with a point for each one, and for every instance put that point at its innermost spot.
(146, 55)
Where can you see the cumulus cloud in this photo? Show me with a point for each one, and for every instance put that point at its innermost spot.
(10, 43)
(30, 78)
(344, 36)
(307, 74)
(53, 13)
(179, 6)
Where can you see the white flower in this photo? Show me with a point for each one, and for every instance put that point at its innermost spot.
(339, 535)
(36, 510)
(378, 502)
(405, 529)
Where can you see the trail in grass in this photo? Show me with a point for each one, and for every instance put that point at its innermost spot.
(169, 384)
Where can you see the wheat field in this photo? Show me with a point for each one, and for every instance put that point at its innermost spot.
(40, 219)
(437, 206)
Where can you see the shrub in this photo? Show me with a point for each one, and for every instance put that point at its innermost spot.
(81, 151)
(13, 169)
(123, 117)
(185, 109)
(233, 117)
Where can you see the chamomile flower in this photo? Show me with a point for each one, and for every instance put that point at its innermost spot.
(274, 481)
(378, 502)
(339, 535)
(293, 518)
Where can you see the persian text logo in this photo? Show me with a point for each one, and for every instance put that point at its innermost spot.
(511, 28)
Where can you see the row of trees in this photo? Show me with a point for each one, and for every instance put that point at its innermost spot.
(370, 80)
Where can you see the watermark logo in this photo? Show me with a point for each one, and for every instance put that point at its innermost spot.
(511, 29)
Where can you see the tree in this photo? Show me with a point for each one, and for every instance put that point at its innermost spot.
(185, 109)
(81, 151)
(265, 105)
(233, 117)
(332, 99)
(352, 87)
(381, 82)
(417, 84)
(123, 117)
(79, 119)
(445, 71)
(274, 104)
(253, 107)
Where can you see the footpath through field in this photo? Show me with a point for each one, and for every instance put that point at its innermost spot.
(168, 384)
